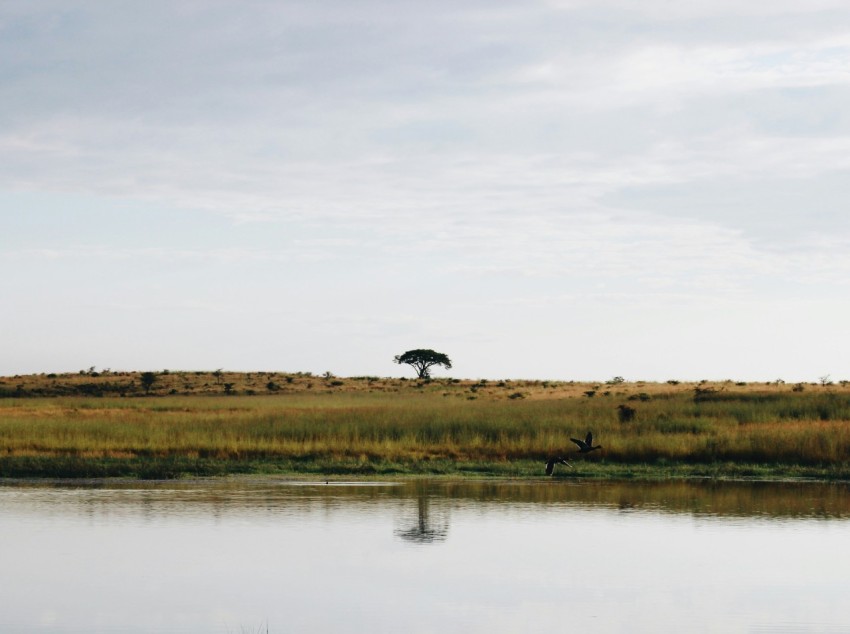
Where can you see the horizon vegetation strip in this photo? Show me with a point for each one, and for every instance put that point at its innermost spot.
(747, 434)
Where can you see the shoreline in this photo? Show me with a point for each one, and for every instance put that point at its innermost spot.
(179, 468)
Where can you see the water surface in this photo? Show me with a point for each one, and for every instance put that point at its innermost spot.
(424, 556)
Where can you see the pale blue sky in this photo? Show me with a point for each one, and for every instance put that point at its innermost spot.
(565, 189)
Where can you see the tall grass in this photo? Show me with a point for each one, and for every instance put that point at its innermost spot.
(422, 431)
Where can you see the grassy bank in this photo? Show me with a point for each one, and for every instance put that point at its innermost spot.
(325, 426)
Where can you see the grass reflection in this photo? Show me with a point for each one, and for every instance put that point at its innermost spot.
(722, 498)
(425, 503)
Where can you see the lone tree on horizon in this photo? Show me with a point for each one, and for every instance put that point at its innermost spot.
(423, 360)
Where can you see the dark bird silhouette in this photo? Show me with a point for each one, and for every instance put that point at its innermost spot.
(586, 445)
(550, 464)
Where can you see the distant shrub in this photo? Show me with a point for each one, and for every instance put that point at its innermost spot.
(516, 395)
(625, 413)
(702, 394)
(799, 387)
(590, 393)
(337, 383)
(673, 382)
(147, 379)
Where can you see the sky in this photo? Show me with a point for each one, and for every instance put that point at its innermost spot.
(540, 189)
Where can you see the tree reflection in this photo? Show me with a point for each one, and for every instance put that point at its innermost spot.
(426, 527)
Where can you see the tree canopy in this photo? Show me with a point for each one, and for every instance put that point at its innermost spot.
(422, 360)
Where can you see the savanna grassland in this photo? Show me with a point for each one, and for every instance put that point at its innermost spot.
(105, 424)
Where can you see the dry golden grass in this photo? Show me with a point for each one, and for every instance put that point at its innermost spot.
(414, 424)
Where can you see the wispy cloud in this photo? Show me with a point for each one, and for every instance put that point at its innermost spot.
(462, 156)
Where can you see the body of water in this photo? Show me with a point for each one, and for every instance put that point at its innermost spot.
(250, 555)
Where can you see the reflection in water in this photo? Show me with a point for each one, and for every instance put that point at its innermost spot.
(426, 528)
(779, 500)
(500, 556)
(710, 497)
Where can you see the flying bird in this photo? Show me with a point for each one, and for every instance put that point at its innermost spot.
(586, 445)
(550, 464)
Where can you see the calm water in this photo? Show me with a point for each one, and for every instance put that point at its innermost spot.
(240, 556)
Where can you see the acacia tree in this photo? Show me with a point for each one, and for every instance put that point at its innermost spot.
(423, 360)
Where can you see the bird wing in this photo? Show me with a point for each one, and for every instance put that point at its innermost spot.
(589, 439)
(580, 443)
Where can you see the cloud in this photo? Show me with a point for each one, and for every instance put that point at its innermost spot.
(468, 156)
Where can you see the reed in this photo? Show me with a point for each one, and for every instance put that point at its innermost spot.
(435, 427)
